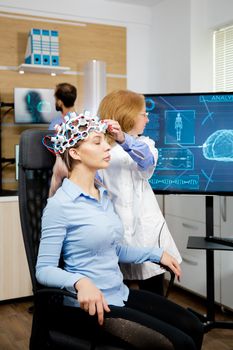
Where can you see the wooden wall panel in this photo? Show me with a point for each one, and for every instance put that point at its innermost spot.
(78, 44)
(10, 79)
(114, 84)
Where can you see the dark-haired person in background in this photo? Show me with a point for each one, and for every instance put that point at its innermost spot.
(65, 97)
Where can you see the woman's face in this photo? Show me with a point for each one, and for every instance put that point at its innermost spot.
(140, 122)
(94, 152)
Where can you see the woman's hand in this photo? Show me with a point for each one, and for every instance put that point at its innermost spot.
(114, 129)
(172, 263)
(91, 299)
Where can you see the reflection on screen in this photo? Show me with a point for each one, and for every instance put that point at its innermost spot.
(194, 137)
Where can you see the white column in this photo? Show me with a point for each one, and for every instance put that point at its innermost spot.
(94, 84)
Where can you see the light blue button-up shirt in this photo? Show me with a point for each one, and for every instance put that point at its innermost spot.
(88, 233)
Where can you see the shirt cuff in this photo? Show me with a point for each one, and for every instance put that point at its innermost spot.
(69, 285)
(156, 255)
(126, 145)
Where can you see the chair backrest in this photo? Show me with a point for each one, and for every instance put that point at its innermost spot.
(35, 170)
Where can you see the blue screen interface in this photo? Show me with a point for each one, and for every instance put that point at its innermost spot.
(194, 137)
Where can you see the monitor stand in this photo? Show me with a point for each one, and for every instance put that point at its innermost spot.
(210, 246)
(221, 240)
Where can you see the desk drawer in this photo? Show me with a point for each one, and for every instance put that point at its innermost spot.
(194, 261)
(190, 207)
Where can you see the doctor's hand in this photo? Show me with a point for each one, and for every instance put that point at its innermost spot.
(91, 299)
(172, 263)
(114, 129)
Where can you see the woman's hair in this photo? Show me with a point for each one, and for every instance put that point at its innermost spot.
(60, 171)
(63, 165)
(122, 106)
(67, 159)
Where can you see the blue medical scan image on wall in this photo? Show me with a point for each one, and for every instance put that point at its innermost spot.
(34, 106)
(194, 137)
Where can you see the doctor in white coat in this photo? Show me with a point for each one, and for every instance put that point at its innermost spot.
(133, 160)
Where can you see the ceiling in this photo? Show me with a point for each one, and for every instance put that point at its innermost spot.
(138, 2)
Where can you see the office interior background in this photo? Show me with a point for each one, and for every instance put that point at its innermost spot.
(161, 46)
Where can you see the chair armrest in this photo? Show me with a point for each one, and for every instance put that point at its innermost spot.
(171, 282)
(52, 296)
(172, 278)
(58, 291)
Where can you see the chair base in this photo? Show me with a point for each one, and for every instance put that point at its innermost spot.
(211, 324)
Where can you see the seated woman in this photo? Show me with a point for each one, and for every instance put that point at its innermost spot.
(79, 222)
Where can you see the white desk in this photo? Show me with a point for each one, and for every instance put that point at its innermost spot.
(15, 279)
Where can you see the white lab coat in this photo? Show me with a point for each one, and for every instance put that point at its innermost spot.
(136, 204)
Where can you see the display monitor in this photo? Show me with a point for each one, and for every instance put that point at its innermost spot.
(193, 133)
(34, 106)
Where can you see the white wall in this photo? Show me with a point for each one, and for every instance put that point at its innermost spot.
(207, 16)
(182, 54)
(201, 62)
(219, 13)
(137, 20)
(170, 58)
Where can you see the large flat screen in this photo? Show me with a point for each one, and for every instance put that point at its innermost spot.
(194, 137)
(34, 106)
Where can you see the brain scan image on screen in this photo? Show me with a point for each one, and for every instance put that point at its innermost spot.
(44, 107)
(219, 146)
(194, 137)
(34, 105)
(37, 106)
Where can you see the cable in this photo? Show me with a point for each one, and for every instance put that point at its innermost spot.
(6, 104)
(6, 112)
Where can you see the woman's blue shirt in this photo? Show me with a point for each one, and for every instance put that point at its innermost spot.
(88, 234)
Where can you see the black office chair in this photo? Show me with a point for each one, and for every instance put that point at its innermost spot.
(50, 327)
(49, 330)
